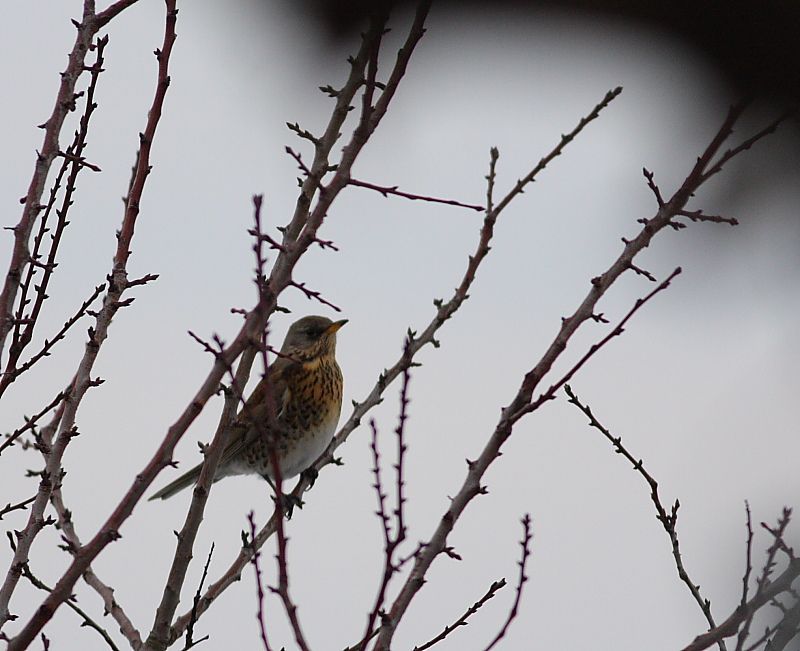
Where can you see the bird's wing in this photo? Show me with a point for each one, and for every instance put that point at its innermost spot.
(257, 408)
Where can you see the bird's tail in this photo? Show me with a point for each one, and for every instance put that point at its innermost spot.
(184, 481)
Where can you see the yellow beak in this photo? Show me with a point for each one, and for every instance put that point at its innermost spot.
(334, 327)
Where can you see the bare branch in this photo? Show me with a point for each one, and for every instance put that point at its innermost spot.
(190, 641)
(527, 536)
(86, 619)
(254, 559)
(782, 583)
(652, 185)
(30, 423)
(746, 144)
(521, 403)
(667, 519)
(390, 541)
(311, 294)
(19, 506)
(22, 336)
(49, 344)
(462, 621)
(700, 216)
(44, 159)
(117, 282)
(393, 190)
(444, 311)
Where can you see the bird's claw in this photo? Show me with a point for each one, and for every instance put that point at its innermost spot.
(310, 474)
(288, 504)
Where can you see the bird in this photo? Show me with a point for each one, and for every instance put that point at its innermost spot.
(294, 410)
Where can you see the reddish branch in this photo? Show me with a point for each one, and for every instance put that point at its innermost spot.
(282, 589)
(444, 311)
(117, 283)
(186, 537)
(260, 614)
(311, 294)
(49, 344)
(301, 232)
(523, 402)
(87, 28)
(550, 393)
(27, 316)
(391, 541)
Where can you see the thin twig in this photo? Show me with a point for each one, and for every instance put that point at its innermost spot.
(527, 536)
(87, 620)
(19, 506)
(395, 191)
(781, 584)
(748, 568)
(444, 311)
(462, 621)
(117, 283)
(30, 423)
(190, 642)
(311, 294)
(667, 519)
(550, 393)
(49, 344)
(72, 161)
(391, 541)
(86, 30)
(254, 559)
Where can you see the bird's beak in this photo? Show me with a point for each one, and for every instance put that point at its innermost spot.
(334, 327)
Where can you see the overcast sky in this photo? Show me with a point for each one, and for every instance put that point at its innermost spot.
(702, 385)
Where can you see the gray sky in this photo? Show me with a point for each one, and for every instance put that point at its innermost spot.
(701, 386)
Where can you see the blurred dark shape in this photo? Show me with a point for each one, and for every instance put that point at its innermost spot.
(755, 46)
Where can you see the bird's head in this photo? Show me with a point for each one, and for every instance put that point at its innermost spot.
(311, 337)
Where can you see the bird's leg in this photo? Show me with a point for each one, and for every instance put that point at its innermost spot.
(288, 501)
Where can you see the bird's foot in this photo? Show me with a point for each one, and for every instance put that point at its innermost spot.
(288, 504)
(310, 474)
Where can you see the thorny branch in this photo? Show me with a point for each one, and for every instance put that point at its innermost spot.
(312, 206)
(525, 543)
(190, 641)
(462, 621)
(668, 519)
(30, 423)
(743, 615)
(522, 403)
(260, 596)
(87, 28)
(19, 506)
(86, 619)
(282, 589)
(391, 541)
(49, 344)
(393, 190)
(766, 593)
(112, 301)
(25, 321)
(300, 233)
(444, 311)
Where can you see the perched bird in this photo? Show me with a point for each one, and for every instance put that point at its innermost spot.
(304, 388)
